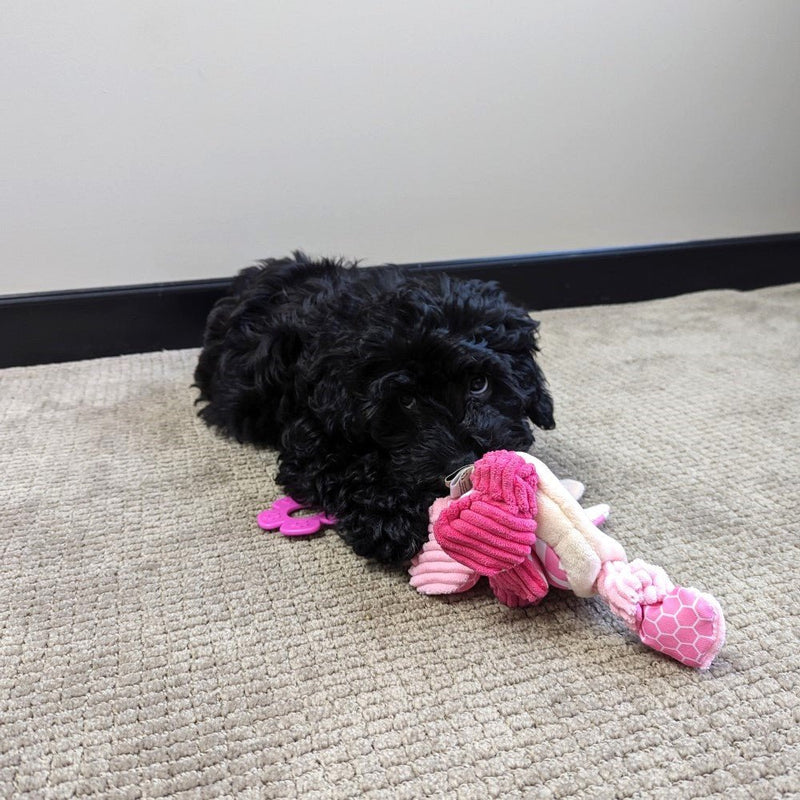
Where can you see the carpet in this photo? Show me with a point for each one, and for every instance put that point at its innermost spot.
(155, 643)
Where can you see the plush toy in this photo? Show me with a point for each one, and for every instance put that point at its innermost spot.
(510, 519)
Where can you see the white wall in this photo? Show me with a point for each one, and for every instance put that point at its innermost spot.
(157, 140)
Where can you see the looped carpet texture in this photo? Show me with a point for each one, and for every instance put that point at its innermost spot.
(155, 643)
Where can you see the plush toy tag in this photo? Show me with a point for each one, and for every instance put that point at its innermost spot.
(460, 481)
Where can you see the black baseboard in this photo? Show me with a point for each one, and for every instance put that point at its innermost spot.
(73, 325)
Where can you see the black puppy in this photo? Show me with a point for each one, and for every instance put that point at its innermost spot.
(373, 384)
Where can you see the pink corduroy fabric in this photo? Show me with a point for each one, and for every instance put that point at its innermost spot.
(492, 529)
(434, 572)
(520, 586)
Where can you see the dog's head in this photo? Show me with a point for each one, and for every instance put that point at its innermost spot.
(442, 372)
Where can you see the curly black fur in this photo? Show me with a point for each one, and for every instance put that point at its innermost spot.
(373, 384)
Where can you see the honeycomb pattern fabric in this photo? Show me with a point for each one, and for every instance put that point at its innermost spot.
(155, 643)
(684, 626)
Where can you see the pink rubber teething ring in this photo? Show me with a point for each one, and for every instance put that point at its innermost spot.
(277, 517)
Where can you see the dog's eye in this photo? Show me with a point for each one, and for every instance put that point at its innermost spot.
(478, 385)
(408, 400)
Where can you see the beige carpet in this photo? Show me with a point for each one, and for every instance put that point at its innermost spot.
(153, 643)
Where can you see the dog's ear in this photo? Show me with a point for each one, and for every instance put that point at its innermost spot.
(539, 402)
(244, 369)
(523, 331)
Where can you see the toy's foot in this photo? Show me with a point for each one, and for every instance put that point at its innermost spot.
(277, 517)
(520, 586)
(687, 625)
(434, 572)
(492, 528)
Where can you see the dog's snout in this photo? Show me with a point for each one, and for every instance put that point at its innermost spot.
(461, 461)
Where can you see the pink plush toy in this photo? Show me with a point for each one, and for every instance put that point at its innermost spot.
(510, 519)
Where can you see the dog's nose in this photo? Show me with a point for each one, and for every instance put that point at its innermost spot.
(463, 460)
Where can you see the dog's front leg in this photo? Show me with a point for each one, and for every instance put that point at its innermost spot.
(390, 536)
(387, 524)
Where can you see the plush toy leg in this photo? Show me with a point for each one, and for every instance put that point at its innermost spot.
(683, 623)
(688, 625)
(520, 586)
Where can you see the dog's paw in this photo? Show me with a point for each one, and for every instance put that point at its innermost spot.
(392, 539)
